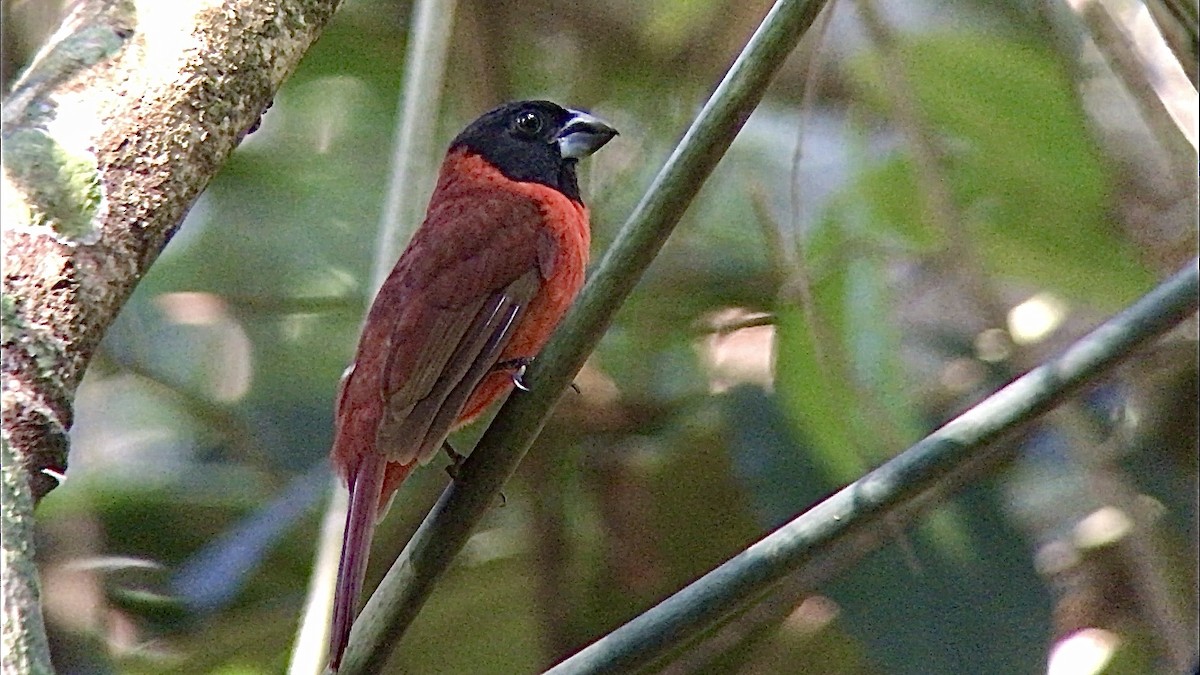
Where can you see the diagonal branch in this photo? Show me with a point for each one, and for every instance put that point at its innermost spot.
(859, 518)
(426, 557)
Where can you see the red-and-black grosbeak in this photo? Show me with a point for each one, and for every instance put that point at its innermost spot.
(484, 281)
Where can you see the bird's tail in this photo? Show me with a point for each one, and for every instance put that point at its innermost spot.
(365, 485)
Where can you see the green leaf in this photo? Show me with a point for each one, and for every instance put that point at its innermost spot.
(1022, 167)
(811, 378)
(838, 370)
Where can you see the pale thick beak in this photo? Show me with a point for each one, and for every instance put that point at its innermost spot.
(583, 135)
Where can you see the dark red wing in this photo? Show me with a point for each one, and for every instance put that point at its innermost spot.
(434, 415)
(444, 315)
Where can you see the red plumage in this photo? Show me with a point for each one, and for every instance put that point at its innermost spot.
(485, 279)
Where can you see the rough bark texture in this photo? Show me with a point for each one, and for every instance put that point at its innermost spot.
(22, 636)
(109, 137)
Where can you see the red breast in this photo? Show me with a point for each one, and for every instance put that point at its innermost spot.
(565, 239)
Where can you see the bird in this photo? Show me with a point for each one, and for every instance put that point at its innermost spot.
(484, 281)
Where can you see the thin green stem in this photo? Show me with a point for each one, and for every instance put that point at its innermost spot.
(412, 157)
(413, 149)
(411, 579)
(819, 542)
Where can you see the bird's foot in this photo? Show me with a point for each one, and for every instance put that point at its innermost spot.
(453, 469)
(517, 366)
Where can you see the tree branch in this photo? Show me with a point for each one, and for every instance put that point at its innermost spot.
(823, 540)
(411, 579)
(23, 637)
(109, 137)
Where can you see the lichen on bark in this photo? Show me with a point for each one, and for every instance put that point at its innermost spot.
(109, 137)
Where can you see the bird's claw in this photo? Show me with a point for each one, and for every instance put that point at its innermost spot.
(517, 380)
(518, 367)
(454, 468)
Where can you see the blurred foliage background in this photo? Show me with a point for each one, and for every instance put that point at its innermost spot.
(932, 198)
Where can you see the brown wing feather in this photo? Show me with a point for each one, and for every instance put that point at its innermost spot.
(433, 417)
(449, 308)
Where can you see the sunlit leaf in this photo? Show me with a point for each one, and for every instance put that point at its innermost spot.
(1029, 183)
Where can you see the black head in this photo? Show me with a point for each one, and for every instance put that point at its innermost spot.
(536, 142)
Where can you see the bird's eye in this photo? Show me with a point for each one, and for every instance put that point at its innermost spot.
(529, 123)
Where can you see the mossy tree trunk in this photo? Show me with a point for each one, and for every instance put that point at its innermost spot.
(111, 134)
